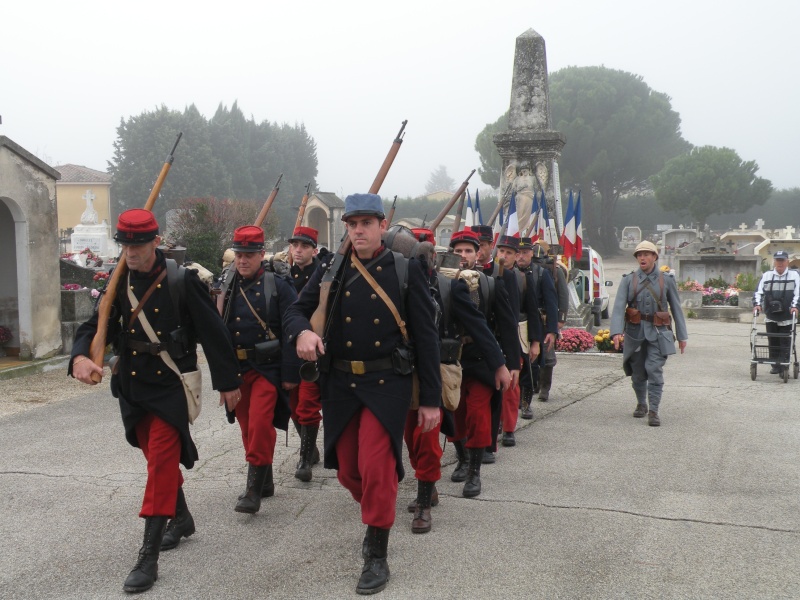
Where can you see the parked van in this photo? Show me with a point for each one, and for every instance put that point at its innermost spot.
(595, 292)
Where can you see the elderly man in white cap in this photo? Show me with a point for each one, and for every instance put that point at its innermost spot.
(778, 293)
(642, 311)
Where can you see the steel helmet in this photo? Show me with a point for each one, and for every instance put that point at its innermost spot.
(646, 247)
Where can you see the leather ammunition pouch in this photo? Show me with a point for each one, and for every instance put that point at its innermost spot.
(403, 359)
(268, 352)
(180, 343)
(662, 319)
(450, 351)
(633, 316)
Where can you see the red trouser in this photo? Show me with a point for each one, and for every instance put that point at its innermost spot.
(255, 413)
(510, 409)
(304, 400)
(161, 444)
(474, 413)
(368, 469)
(424, 450)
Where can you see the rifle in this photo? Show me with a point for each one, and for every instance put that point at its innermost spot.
(391, 213)
(459, 212)
(300, 214)
(97, 348)
(450, 203)
(500, 204)
(321, 316)
(226, 284)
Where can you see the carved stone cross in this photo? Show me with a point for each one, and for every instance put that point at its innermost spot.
(89, 216)
(789, 230)
(743, 227)
(759, 223)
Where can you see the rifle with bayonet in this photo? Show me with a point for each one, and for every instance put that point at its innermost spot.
(331, 280)
(97, 348)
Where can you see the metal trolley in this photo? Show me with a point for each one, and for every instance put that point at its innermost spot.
(759, 346)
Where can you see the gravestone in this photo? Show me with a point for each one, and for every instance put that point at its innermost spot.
(90, 234)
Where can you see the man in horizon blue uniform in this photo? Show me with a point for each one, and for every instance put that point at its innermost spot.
(366, 372)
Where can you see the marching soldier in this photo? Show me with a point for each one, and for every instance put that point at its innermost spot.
(508, 281)
(483, 378)
(151, 397)
(547, 361)
(305, 398)
(366, 372)
(253, 310)
(642, 310)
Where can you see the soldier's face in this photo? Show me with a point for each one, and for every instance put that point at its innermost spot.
(467, 253)
(524, 258)
(302, 253)
(485, 252)
(248, 263)
(508, 255)
(365, 234)
(141, 257)
(646, 260)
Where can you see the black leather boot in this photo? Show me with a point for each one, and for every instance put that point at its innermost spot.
(181, 526)
(527, 397)
(308, 443)
(250, 501)
(412, 506)
(545, 381)
(375, 573)
(145, 572)
(421, 523)
(460, 474)
(268, 490)
(472, 487)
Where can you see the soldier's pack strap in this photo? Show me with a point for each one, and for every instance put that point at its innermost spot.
(261, 322)
(384, 296)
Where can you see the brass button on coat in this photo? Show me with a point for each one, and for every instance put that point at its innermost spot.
(347, 319)
(349, 344)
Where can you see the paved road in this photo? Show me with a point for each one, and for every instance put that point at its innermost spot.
(591, 503)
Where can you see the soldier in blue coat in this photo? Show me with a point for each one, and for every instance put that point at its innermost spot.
(151, 397)
(366, 371)
(642, 308)
(253, 310)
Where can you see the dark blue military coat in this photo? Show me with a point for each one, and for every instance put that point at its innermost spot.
(246, 332)
(363, 328)
(144, 383)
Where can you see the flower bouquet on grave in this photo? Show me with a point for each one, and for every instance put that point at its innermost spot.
(573, 339)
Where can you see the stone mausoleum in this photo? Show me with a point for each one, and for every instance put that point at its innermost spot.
(30, 300)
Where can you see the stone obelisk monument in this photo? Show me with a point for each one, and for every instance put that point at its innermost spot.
(530, 147)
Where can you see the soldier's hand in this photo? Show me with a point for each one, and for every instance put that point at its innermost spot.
(682, 345)
(535, 350)
(616, 341)
(428, 417)
(289, 386)
(514, 379)
(309, 345)
(230, 399)
(83, 368)
(502, 378)
(550, 340)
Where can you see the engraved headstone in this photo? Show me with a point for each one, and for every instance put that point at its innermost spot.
(91, 234)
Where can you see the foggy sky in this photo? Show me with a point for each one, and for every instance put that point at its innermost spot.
(352, 71)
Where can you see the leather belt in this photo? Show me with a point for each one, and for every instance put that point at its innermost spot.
(359, 367)
(245, 353)
(148, 347)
